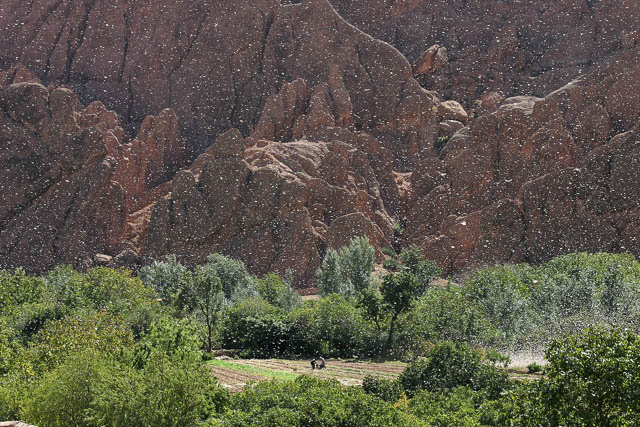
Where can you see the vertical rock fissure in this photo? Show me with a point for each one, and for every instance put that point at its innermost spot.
(71, 49)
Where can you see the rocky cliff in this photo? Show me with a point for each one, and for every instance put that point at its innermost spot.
(271, 131)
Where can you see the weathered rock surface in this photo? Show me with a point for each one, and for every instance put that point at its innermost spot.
(214, 63)
(276, 205)
(512, 47)
(272, 131)
(538, 177)
(69, 177)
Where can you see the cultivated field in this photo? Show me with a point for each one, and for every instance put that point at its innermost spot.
(235, 374)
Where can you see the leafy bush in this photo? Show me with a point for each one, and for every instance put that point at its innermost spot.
(263, 336)
(64, 395)
(90, 388)
(88, 330)
(450, 365)
(530, 305)
(237, 282)
(503, 294)
(332, 327)
(311, 402)
(167, 392)
(17, 288)
(175, 338)
(443, 314)
(593, 378)
(278, 292)
(534, 368)
(459, 408)
(103, 289)
(387, 390)
(164, 276)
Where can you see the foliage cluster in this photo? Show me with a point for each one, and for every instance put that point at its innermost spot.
(530, 305)
(105, 347)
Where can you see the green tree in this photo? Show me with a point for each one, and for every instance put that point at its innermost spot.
(203, 296)
(18, 288)
(330, 277)
(168, 391)
(309, 401)
(358, 259)
(347, 271)
(164, 276)
(423, 269)
(443, 314)
(237, 282)
(277, 292)
(332, 327)
(399, 292)
(592, 378)
(64, 395)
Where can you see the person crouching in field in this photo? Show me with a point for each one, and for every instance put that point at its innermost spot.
(318, 363)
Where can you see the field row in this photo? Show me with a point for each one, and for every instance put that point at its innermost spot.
(235, 374)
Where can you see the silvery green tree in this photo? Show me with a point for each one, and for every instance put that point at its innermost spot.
(347, 271)
(237, 282)
(164, 276)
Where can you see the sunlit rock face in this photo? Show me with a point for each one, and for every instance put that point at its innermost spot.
(511, 47)
(271, 130)
(538, 177)
(70, 177)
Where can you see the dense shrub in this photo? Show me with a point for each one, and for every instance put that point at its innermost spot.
(17, 288)
(165, 276)
(90, 388)
(175, 338)
(530, 305)
(311, 402)
(237, 282)
(264, 336)
(385, 389)
(503, 293)
(277, 292)
(593, 379)
(166, 392)
(449, 365)
(81, 331)
(459, 408)
(443, 314)
(332, 327)
(64, 395)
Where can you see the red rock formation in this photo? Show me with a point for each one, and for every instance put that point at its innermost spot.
(537, 178)
(69, 178)
(275, 205)
(301, 131)
(517, 48)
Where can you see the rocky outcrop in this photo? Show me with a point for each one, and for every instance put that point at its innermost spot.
(69, 176)
(537, 178)
(510, 47)
(270, 130)
(214, 64)
(277, 206)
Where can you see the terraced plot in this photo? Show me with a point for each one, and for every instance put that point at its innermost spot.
(235, 374)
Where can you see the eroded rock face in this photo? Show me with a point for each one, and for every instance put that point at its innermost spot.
(214, 63)
(270, 130)
(515, 48)
(537, 178)
(277, 206)
(69, 176)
